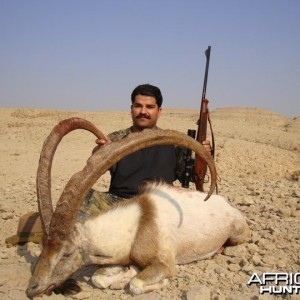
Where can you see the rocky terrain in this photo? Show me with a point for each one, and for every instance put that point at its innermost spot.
(258, 162)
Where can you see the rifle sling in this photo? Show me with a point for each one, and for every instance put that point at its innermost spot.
(212, 141)
(212, 136)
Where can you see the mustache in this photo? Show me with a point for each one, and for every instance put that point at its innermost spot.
(143, 116)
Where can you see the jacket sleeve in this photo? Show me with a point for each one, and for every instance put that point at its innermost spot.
(116, 136)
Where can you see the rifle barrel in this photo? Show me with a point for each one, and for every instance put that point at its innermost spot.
(207, 54)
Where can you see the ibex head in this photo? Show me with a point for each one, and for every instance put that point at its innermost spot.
(62, 252)
(57, 262)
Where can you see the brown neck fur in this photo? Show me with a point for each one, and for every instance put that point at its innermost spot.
(146, 240)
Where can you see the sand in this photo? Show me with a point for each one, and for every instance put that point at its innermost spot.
(258, 162)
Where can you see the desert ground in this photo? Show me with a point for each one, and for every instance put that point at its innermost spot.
(258, 163)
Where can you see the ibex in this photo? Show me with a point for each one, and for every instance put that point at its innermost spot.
(161, 227)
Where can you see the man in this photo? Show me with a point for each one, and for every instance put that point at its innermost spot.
(149, 164)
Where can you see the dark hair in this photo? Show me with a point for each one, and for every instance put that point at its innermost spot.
(148, 90)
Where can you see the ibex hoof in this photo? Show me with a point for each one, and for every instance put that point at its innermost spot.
(138, 286)
(113, 277)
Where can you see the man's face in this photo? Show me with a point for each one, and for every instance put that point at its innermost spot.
(144, 112)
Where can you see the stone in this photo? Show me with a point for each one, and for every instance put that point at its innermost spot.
(198, 292)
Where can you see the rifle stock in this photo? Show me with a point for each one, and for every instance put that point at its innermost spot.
(200, 167)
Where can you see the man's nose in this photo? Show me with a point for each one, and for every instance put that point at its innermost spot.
(144, 110)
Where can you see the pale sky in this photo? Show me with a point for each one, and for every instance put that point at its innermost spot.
(89, 55)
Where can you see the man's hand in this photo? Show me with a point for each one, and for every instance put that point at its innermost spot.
(101, 142)
(207, 146)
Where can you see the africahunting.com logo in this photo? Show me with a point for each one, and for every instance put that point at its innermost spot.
(277, 283)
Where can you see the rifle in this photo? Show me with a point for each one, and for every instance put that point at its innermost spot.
(197, 172)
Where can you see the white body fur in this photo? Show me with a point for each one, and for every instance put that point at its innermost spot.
(112, 232)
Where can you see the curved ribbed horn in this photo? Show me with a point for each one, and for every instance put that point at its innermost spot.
(64, 217)
(45, 163)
